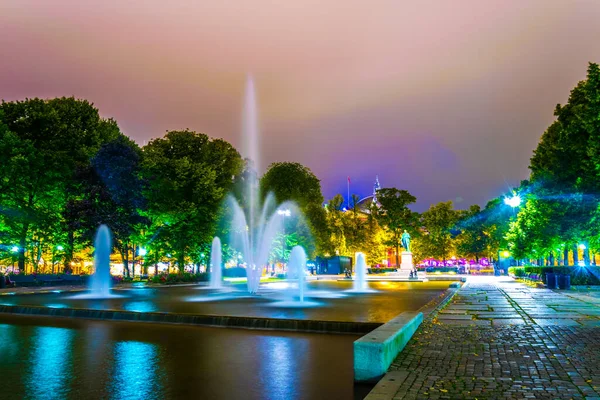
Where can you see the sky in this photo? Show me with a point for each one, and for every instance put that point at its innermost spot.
(446, 99)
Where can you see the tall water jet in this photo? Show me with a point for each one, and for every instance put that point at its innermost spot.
(100, 281)
(253, 227)
(215, 264)
(297, 266)
(360, 268)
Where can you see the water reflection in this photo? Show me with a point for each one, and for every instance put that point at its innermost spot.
(8, 350)
(49, 370)
(140, 306)
(134, 371)
(281, 365)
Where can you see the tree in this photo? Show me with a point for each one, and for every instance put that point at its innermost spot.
(565, 166)
(439, 223)
(43, 143)
(188, 177)
(396, 217)
(473, 240)
(289, 181)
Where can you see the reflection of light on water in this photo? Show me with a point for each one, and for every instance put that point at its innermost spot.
(283, 365)
(294, 304)
(56, 305)
(135, 371)
(277, 285)
(7, 347)
(93, 296)
(218, 297)
(140, 306)
(50, 363)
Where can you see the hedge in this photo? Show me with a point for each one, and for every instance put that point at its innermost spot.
(579, 275)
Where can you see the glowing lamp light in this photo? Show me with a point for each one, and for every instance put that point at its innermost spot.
(142, 251)
(514, 201)
(505, 254)
(582, 246)
(14, 249)
(285, 213)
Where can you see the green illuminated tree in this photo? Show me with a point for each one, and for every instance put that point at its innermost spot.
(395, 216)
(188, 176)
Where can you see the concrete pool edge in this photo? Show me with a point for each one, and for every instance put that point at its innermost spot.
(387, 386)
(259, 323)
(375, 352)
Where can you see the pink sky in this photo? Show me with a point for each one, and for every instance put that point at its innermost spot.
(446, 99)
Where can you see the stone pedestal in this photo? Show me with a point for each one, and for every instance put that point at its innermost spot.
(407, 261)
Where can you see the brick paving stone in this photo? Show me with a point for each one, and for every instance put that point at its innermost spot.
(538, 358)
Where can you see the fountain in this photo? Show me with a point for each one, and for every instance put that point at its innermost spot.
(360, 275)
(215, 265)
(100, 281)
(254, 228)
(360, 283)
(297, 266)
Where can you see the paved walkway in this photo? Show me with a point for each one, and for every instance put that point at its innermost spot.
(500, 339)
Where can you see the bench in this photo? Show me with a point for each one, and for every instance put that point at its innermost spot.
(71, 279)
(48, 279)
(23, 280)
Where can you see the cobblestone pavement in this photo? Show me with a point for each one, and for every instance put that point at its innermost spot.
(500, 339)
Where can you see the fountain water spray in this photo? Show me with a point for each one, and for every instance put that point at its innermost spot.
(360, 282)
(100, 281)
(297, 266)
(215, 264)
(255, 227)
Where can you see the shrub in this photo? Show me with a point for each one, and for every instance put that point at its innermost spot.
(234, 272)
(185, 277)
(579, 275)
(380, 270)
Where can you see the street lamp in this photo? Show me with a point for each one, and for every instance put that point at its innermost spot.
(513, 201)
(283, 213)
(59, 248)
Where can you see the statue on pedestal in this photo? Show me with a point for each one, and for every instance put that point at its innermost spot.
(406, 241)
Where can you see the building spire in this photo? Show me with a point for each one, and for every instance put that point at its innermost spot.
(376, 187)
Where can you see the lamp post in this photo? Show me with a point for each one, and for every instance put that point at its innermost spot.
(13, 250)
(513, 201)
(283, 213)
(59, 248)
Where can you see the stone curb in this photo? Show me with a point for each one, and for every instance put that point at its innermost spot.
(261, 323)
(387, 387)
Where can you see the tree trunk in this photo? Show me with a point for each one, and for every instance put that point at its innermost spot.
(397, 256)
(181, 261)
(125, 258)
(566, 256)
(586, 254)
(69, 253)
(575, 255)
(22, 244)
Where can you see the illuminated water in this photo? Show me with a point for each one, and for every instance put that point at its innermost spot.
(42, 358)
(216, 265)
(100, 280)
(360, 282)
(254, 226)
(335, 298)
(297, 265)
